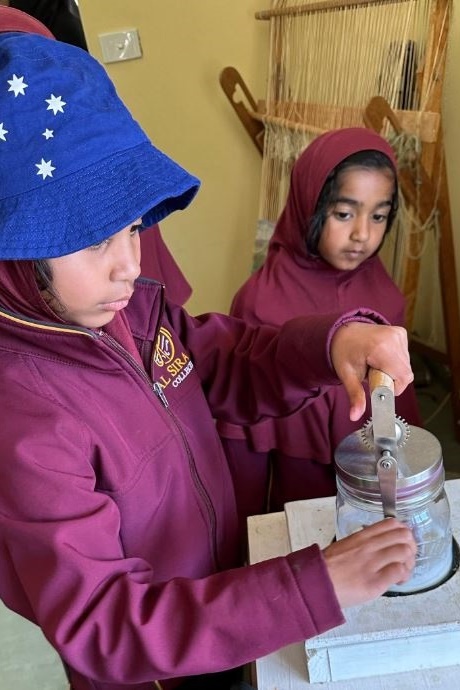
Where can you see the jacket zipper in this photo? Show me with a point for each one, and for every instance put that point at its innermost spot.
(159, 393)
(193, 471)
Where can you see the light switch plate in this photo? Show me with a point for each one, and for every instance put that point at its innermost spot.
(120, 45)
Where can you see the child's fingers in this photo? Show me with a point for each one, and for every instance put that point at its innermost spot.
(365, 564)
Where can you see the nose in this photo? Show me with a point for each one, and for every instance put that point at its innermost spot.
(360, 231)
(126, 266)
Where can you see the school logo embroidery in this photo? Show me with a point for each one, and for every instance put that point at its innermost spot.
(164, 350)
(176, 367)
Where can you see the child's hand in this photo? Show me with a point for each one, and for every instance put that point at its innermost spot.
(357, 346)
(365, 564)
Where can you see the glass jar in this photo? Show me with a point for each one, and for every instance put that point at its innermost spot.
(421, 500)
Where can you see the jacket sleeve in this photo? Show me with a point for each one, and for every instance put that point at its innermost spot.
(249, 373)
(62, 565)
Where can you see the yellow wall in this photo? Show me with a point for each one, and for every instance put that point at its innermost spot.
(175, 94)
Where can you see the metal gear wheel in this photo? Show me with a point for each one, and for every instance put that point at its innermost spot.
(402, 432)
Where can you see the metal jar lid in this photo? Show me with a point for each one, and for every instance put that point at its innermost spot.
(420, 467)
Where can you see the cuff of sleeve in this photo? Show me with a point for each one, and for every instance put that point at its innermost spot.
(316, 588)
(362, 314)
(309, 334)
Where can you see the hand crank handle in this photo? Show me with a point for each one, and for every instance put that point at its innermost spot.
(378, 378)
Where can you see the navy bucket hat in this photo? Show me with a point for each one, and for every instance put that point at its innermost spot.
(75, 167)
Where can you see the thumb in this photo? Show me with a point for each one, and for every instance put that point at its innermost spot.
(356, 395)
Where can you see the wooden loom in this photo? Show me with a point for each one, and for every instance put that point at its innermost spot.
(382, 63)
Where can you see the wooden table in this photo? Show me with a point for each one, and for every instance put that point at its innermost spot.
(286, 669)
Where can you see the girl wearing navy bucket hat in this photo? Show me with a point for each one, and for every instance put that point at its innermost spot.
(118, 526)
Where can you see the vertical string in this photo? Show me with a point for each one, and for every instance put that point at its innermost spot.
(324, 68)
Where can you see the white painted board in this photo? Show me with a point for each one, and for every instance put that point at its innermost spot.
(390, 634)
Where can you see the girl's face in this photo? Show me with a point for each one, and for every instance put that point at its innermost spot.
(356, 223)
(92, 284)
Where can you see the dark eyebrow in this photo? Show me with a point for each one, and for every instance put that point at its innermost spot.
(353, 202)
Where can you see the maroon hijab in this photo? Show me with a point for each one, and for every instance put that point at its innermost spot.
(280, 290)
(19, 292)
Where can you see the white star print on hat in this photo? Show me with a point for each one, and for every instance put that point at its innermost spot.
(56, 104)
(45, 168)
(17, 85)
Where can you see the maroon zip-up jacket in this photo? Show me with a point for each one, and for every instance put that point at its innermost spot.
(117, 514)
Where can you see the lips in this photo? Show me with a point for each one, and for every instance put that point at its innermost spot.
(117, 304)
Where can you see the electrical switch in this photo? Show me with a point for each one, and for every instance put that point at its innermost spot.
(120, 45)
